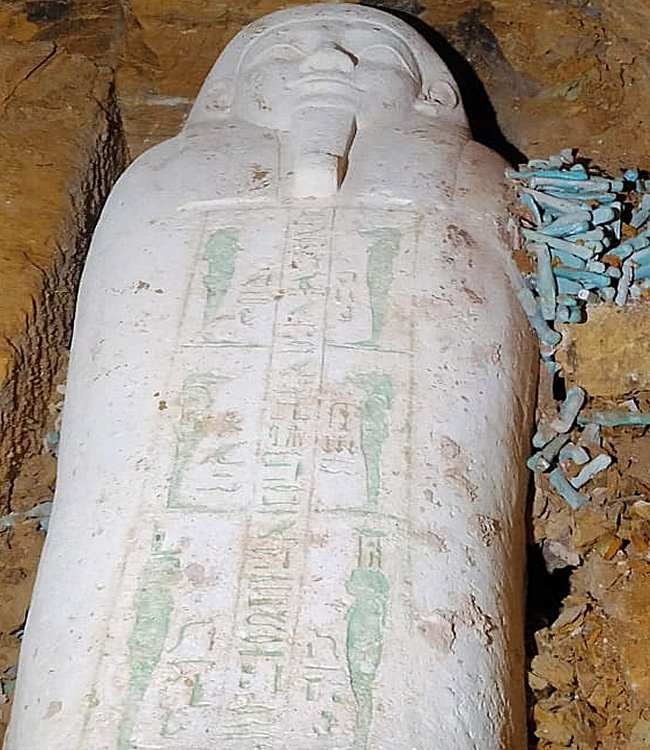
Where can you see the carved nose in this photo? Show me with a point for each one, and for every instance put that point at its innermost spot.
(328, 59)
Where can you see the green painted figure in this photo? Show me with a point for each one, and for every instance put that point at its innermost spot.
(366, 622)
(374, 426)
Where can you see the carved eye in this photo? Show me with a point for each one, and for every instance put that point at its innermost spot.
(381, 54)
(282, 52)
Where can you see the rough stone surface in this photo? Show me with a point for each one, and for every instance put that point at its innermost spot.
(61, 149)
(590, 677)
(558, 73)
(609, 354)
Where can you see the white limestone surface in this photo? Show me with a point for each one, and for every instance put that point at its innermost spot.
(289, 513)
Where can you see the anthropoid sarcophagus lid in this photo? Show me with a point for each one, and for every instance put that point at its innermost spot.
(289, 512)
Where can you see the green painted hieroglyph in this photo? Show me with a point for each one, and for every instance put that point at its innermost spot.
(196, 409)
(382, 251)
(153, 608)
(378, 387)
(221, 255)
(365, 635)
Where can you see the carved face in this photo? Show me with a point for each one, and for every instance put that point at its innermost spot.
(360, 67)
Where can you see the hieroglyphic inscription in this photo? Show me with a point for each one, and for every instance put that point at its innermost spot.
(263, 636)
(324, 680)
(190, 666)
(354, 427)
(345, 296)
(230, 300)
(274, 552)
(207, 461)
(340, 440)
(371, 296)
(276, 438)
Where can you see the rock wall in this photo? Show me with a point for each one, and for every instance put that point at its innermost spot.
(61, 149)
(82, 81)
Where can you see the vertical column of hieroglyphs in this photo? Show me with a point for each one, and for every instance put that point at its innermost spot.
(261, 703)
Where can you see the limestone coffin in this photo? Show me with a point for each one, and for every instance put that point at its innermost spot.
(289, 510)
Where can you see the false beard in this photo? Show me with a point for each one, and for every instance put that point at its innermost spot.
(320, 139)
